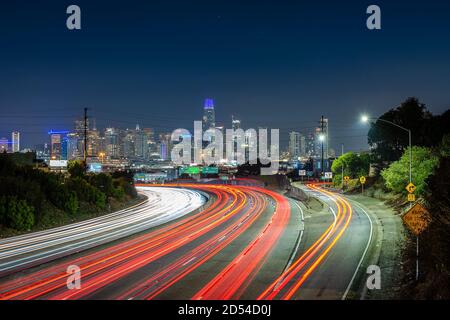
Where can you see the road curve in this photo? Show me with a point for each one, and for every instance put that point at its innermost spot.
(147, 265)
(162, 205)
(245, 243)
(327, 267)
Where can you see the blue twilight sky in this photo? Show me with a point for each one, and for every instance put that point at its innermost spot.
(277, 64)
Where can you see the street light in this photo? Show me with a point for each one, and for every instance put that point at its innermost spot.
(322, 139)
(366, 119)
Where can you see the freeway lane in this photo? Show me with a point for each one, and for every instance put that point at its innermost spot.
(246, 242)
(160, 207)
(325, 268)
(165, 254)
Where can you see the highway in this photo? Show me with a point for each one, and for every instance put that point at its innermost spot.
(160, 207)
(326, 267)
(246, 242)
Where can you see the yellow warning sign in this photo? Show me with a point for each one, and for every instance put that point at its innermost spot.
(411, 188)
(346, 178)
(362, 180)
(417, 219)
(411, 197)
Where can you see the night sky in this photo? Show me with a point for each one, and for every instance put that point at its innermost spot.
(276, 64)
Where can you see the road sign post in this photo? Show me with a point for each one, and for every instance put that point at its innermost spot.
(362, 180)
(346, 179)
(417, 220)
(302, 173)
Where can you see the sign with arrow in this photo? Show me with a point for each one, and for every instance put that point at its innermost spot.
(411, 187)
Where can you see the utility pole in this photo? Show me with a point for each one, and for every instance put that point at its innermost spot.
(321, 132)
(85, 139)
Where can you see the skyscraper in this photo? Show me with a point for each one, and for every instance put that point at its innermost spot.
(112, 142)
(310, 144)
(294, 144)
(128, 144)
(3, 145)
(165, 145)
(140, 143)
(15, 141)
(58, 143)
(72, 147)
(209, 117)
(235, 125)
(303, 146)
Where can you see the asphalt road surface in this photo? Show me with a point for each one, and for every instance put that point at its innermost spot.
(246, 242)
(160, 207)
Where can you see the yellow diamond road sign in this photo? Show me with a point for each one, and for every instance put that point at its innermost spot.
(346, 178)
(417, 219)
(362, 180)
(411, 188)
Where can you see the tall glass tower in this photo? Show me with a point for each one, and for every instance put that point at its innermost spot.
(209, 117)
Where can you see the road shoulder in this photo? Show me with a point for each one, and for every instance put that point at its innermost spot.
(385, 250)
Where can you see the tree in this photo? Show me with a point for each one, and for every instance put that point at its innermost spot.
(389, 142)
(76, 168)
(19, 215)
(444, 148)
(355, 166)
(424, 163)
(71, 203)
(103, 182)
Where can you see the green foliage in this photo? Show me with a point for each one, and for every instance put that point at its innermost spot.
(389, 142)
(103, 182)
(71, 203)
(424, 163)
(127, 185)
(355, 165)
(16, 214)
(30, 196)
(445, 146)
(86, 192)
(76, 168)
(119, 193)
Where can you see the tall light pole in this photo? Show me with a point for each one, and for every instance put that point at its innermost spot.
(322, 139)
(366, 119)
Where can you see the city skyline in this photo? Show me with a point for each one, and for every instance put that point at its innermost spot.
(251, 58)
(231, 153)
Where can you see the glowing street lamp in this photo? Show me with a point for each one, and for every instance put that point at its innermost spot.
(322, 138)
(366, 119)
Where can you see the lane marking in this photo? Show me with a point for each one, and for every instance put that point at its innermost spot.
(364, 253)
(299, 238)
